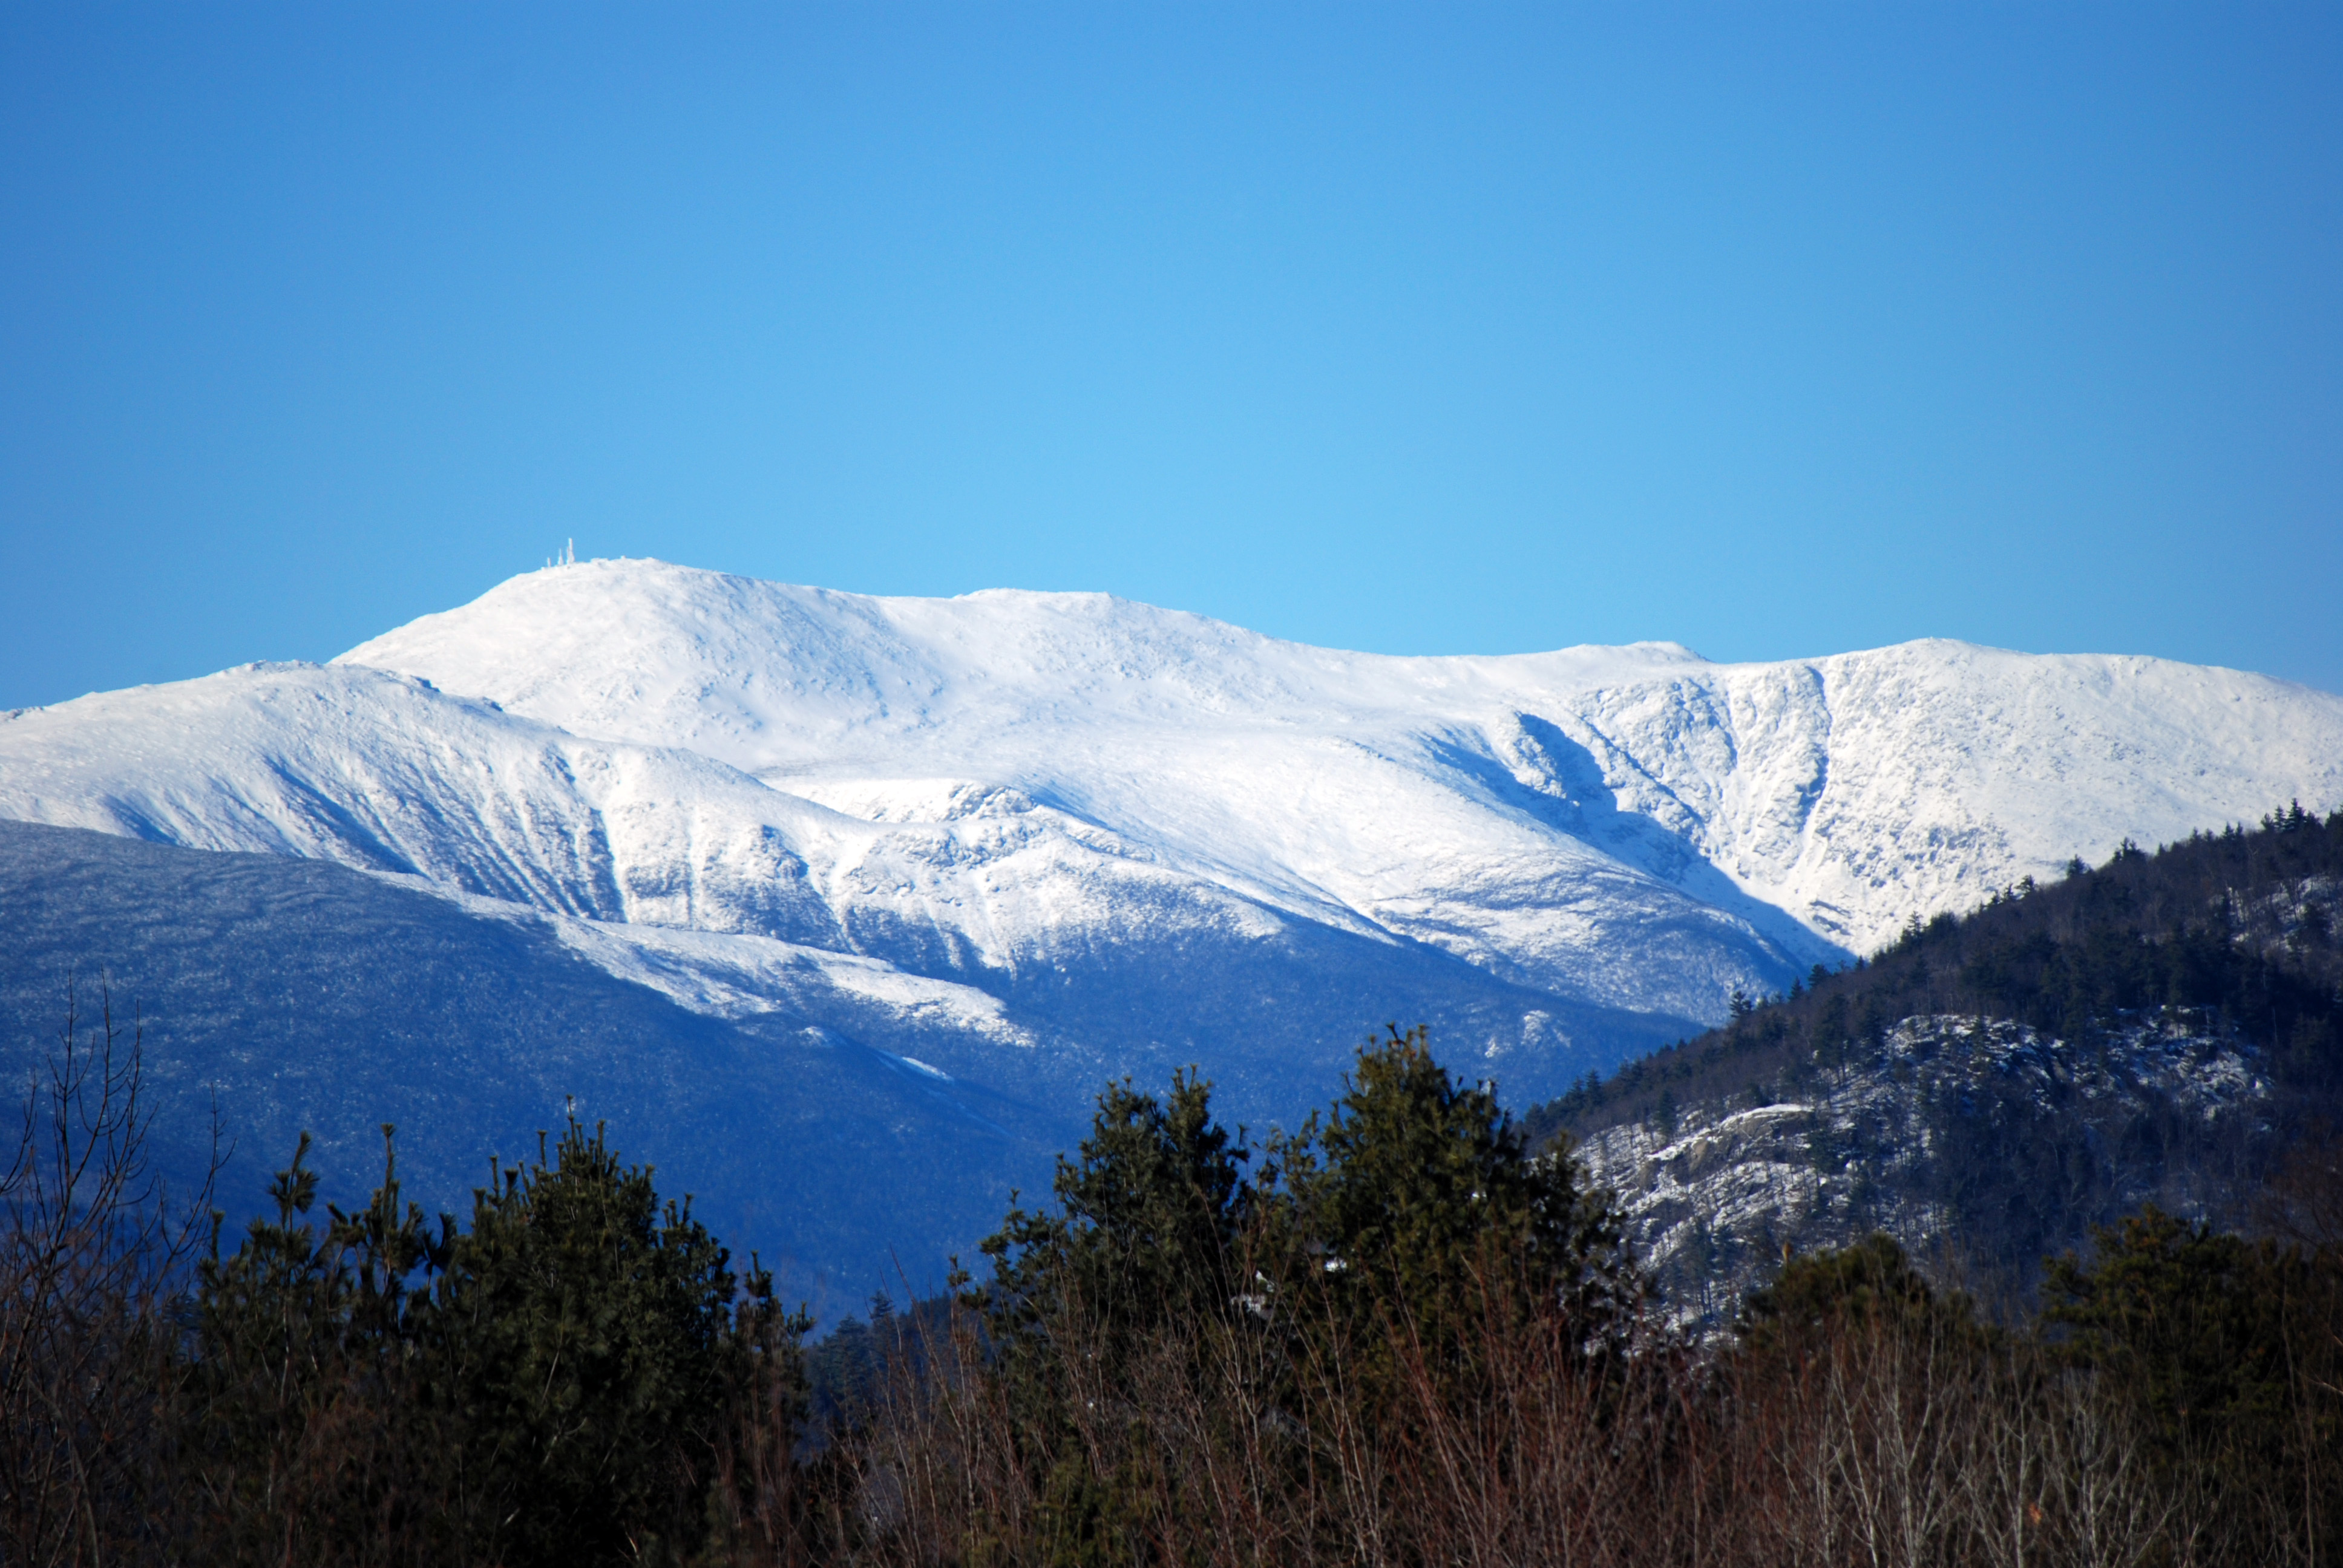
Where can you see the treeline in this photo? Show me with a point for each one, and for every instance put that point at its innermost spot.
(1398, 1335)
(2238, 925)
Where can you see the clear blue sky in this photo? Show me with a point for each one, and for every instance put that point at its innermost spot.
(1772, 330)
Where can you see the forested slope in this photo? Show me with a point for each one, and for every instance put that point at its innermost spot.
(2157, 1028)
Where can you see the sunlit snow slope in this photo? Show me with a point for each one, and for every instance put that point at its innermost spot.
(1090, 828)
(1501, 808)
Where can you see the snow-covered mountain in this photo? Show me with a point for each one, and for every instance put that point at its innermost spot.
(922, 873)
(981, 798)
(1466, 801)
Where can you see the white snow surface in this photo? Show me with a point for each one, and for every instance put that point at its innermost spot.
(1011, 780)
(735, 975)
(1851, 791)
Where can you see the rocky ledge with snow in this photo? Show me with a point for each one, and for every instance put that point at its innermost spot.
(1977, 1143)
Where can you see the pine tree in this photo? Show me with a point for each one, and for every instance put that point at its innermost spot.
(1426, 1201)
(2230, 1350)
(579, 1332)
(568, 1381)
(1147, 1217)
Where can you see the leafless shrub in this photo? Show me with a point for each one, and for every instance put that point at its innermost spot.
(1908, 1442)
(94, 1254)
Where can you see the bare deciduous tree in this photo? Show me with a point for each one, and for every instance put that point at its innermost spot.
(94, 1254)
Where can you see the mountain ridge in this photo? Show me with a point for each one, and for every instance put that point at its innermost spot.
(977, 788)
(503, 644)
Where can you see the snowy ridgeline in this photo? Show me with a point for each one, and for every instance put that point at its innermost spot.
(1982, 1145)
(1061, 819)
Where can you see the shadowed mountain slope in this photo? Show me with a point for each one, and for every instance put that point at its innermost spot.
(299, 994)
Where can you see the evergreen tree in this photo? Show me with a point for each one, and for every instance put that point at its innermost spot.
(306, 1437)
(568, 1381)
(1430, 1208)
(1149, 1214)
(581, 1332)
(2230, 1350)
(1820, 1298)
(1138, 1258)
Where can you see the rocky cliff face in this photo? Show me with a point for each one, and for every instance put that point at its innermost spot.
(1985, 1143)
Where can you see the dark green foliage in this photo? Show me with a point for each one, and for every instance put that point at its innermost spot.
(577, 1378)
(2223, 1345)
(1147, 1238)
(303, 1427)
(582, 1332)
(1822, 1296)
(1416, 1189)
(1372, 1263)
(1830, 1032)
(1423, 1194)
(1149, 1212)
(847, 1370)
